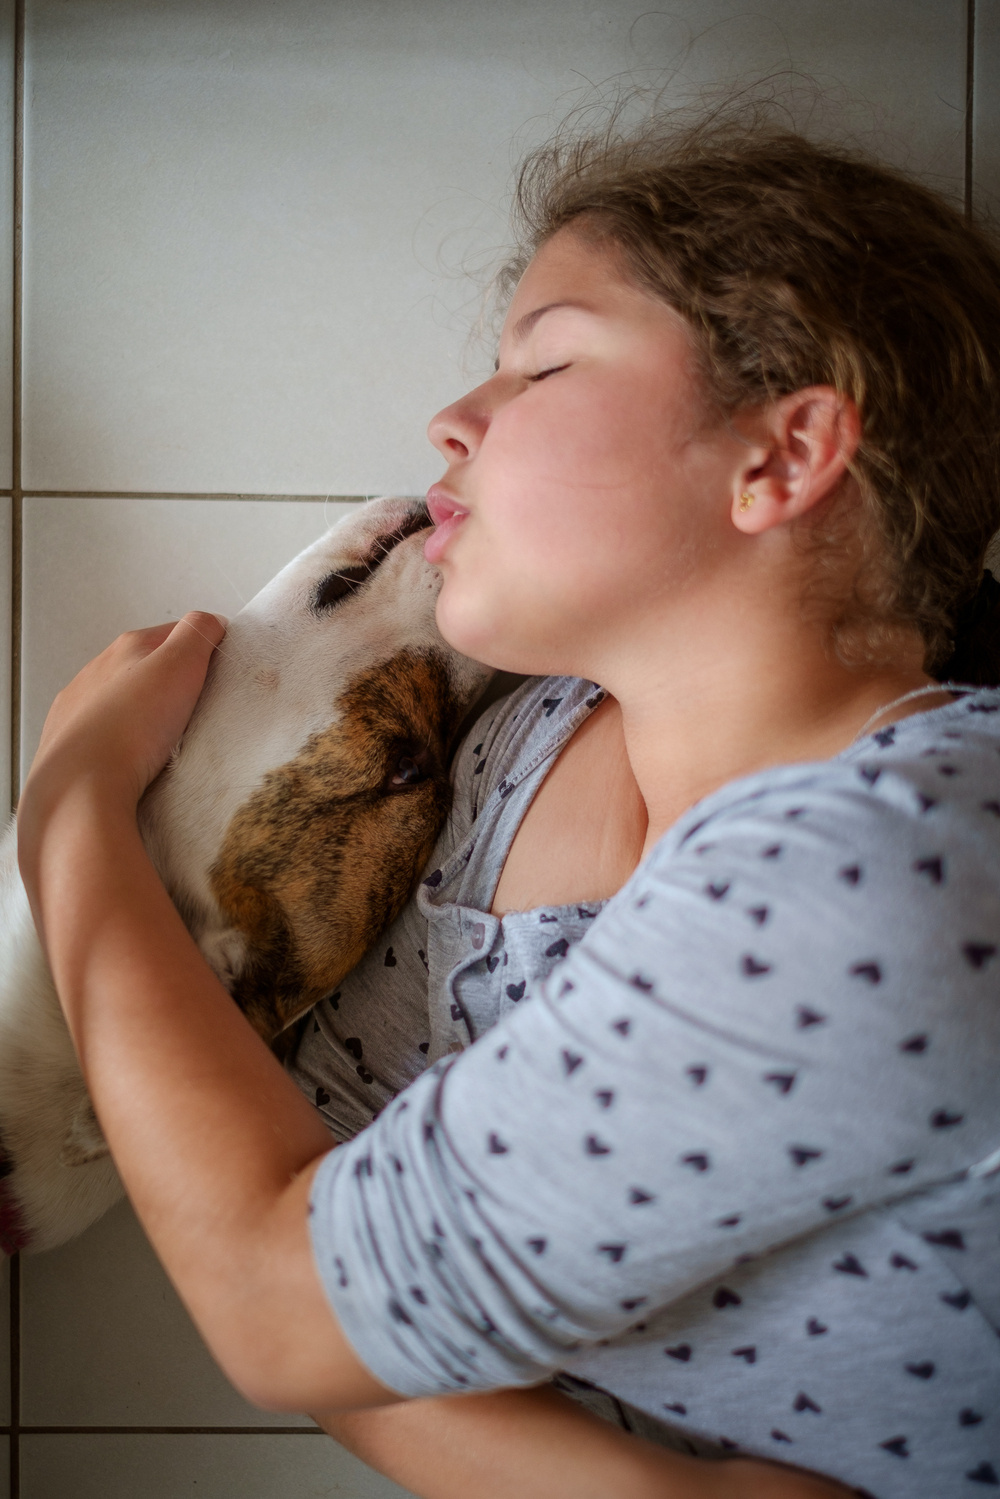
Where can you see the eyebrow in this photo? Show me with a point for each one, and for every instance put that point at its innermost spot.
(524, 325)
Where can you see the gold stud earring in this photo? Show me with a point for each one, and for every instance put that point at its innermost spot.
(746, 499)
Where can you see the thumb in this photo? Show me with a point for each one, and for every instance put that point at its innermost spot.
(198, 631)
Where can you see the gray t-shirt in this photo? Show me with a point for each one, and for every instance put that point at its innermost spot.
(728, 1144)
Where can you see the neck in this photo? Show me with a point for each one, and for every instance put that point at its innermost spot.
(693, 720)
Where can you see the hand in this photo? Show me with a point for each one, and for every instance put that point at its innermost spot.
(114, 727)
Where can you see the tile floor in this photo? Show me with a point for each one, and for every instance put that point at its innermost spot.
(239, 291)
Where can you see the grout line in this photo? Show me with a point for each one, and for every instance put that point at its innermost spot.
(172, 494)
(970, 85)
(17, 496)
(172, 1431)
(17, 509)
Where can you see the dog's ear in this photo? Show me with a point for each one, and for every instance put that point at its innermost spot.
(225, 950)
(84, 1141)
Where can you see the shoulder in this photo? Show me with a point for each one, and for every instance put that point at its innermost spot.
(933, 776)
(875, 873)
(516, 733)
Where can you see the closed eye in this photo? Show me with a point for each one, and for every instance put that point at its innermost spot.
(347, 580)
(544, 374)
(340, 585)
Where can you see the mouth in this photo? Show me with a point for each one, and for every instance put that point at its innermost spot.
(447, 515)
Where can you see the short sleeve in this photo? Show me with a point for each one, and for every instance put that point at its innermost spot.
(788, 1016)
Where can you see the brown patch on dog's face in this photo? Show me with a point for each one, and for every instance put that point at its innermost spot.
(326, 852)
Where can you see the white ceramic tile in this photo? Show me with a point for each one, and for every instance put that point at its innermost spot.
(93, 568)
(986, 109)
(106, 1342)
(202, 1467)
(248, 226)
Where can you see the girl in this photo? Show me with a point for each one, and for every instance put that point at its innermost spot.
(723, 929)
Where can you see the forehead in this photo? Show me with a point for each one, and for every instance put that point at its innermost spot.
(576, 271)
(568, 260)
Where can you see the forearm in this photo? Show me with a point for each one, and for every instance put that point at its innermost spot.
(213, 1141)
(537, 1444)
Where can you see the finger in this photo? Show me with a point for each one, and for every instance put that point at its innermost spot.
(146, 639)
(199, 630)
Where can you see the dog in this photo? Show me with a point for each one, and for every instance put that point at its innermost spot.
(289, 828)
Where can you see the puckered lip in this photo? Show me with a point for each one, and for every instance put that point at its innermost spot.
(441, 506)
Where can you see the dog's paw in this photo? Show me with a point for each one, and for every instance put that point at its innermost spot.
(84, 1141)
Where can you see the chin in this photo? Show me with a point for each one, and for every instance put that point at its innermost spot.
(471, 635)
(487, 646)
(480, 628)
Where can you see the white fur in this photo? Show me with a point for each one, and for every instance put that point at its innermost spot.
(274, 683)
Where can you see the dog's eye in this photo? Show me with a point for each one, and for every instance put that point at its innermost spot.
(407, 772)
(347, 580)
(338, 585)
(407, 765)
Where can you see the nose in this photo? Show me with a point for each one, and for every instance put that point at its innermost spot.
(458, 430)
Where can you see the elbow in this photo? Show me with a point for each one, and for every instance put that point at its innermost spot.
(262, 1310)
(260, 1388)
(300, 1396)
(293, 1364)
(272, 1376)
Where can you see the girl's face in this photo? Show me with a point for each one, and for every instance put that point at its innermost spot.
(588, 489)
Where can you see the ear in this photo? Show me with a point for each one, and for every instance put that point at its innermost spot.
(84, 1141)
(800, 447)
(226, 951)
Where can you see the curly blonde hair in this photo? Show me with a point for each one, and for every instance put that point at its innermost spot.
(797, 264)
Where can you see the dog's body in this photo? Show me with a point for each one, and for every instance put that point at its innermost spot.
(289, 828)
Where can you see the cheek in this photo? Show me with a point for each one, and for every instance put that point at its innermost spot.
(576, 436)
(584, 511)
(522, 597)
(563, 494)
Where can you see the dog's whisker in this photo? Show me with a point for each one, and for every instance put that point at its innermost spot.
(183, 619)
(234, 651)
(346, 576)
(260, 814)
(222, 570)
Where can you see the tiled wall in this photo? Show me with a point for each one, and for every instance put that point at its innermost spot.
(238, 293)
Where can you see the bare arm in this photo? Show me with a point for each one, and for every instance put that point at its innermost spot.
(214, 1143)
(537, 1444)
(217, 1147)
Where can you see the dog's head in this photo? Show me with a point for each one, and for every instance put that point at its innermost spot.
(311, 784)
